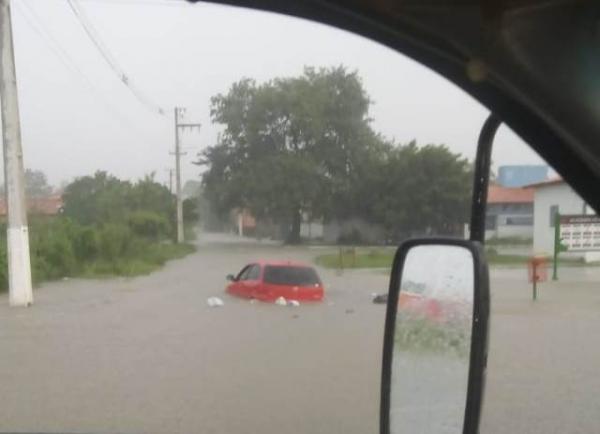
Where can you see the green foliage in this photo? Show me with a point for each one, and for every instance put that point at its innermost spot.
(289, 145)
(148, 224)
(104, 198)
(509, 241)
(304, 145)
(373, 258)
(36, 184)
(421, 335)
(109, 227)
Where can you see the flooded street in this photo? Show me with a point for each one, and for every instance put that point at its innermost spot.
(148, 355)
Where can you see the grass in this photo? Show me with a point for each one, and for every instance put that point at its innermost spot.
(374, 258)
(509, 241)
(154, 257)
(422, 335)
(382, 258)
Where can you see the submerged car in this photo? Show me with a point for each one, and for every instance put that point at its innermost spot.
(269, 280)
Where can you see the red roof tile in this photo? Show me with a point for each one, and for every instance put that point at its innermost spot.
(498, 194)
(39, 205)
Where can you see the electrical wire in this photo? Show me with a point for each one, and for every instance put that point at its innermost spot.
(110, 59)
(33, 20)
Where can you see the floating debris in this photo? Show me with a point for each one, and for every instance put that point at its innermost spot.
(214, 302)
(380, 299)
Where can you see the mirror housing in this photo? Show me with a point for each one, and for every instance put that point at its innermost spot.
(230, 277)
(476, 353)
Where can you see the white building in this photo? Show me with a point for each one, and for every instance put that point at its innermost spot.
(552, 197)
(509, 212)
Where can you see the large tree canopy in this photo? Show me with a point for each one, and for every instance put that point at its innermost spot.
(288, 145)
(304, 146)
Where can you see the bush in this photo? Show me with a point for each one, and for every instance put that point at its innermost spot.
(148, 224)
(51, 249)
(113, 241)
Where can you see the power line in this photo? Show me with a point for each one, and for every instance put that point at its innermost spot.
(33, 20)
(95, 38)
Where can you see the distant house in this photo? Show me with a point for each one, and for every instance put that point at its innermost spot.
(39, 206)
(509, 212)
(244, 221)
(555, 197)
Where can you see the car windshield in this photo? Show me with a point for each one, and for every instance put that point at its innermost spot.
(165, 145)
(293, 276)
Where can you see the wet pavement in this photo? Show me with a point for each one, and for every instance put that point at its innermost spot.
(149, 355)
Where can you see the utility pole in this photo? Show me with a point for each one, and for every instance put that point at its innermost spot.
(19, 266)
(179, 111)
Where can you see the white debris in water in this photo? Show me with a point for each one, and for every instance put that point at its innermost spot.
(293, 303)
(281, 301)
(214, 302)
(253, 301)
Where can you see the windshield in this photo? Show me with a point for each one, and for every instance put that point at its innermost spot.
(166, 145)
(294, 276)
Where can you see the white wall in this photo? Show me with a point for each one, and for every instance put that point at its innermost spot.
(505, 231)
(311, 230)
(545, 196)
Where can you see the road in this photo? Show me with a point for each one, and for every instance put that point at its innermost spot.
(147, 355)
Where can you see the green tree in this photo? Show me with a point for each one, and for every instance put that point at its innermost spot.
(288, 145)
(146, 206)
(36, 184)
(416, 190)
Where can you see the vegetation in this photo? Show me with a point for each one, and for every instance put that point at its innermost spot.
(353, 258)
(108, 227)
(304, 146)
(383, 258)
(509, 241)
(423, 335)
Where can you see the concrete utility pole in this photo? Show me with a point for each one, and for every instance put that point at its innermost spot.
(19, 266)
(179, 111)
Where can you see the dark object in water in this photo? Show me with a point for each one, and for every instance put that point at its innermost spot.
(380, 299)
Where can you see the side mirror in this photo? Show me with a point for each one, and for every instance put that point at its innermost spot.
(435, 341)
(230, 277)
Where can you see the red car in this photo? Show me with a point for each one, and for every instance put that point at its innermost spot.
(269, 280)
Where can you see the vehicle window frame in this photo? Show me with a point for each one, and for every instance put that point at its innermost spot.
(252, 268)
(243, 272)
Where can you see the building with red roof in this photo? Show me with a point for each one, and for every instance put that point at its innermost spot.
(509, 212)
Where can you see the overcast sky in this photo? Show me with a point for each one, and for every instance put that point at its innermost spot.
(77, 117)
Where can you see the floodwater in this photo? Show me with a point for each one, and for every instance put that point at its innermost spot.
(148, 355)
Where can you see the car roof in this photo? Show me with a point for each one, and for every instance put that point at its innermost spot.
(282, 263)
(534, 63)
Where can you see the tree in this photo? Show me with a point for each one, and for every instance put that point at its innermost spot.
(288, 146)
(36, 184)
(103, 198)
(416, 190)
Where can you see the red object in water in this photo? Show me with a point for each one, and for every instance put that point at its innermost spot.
(269, 280)
(537, 268)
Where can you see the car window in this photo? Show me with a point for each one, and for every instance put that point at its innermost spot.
(254, 273)
(243, 275)
(287, 275)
